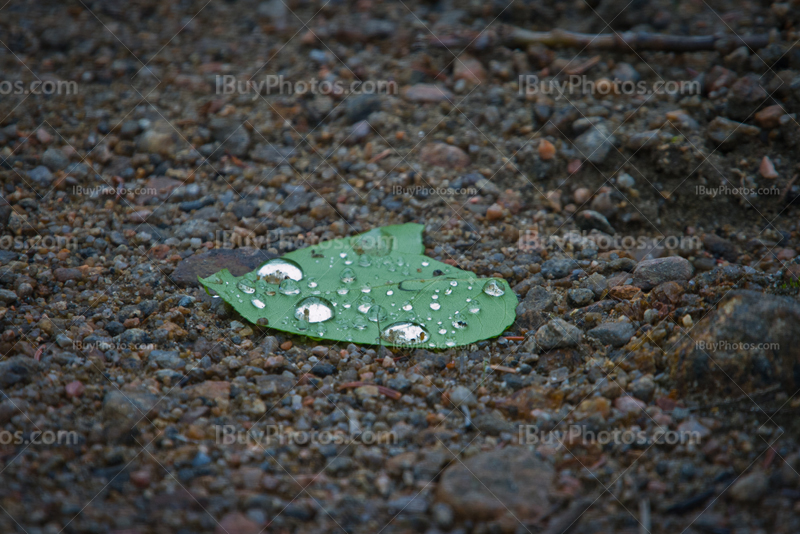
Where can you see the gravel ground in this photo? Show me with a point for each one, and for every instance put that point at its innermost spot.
(648, 385)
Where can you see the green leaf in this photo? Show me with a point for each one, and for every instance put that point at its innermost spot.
(378, 282)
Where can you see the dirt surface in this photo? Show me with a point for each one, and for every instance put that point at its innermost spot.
(648, 385)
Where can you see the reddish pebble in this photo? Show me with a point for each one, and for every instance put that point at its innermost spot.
(574, 166)
(582, 195)
(769, 117)
(470, 69)
(237, 523)
(786, 254)
(286, 345)
(495, 212)
(141, 478)
(75, 389)
(43, 136)
(767, 169)
(547, 150)
(133, 322)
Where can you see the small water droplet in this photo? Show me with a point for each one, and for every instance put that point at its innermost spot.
(348, 276)
(301, 325)
(448, 291)
(377, 314)
(246, 288)
(405, 333)
(320, 329)
(279, 269)
(364, 303)
(435, 305)
(425, 263)
(407, 306)
(312, 283)
(258, 304)
(443, 331)
(364, 260)
(289, 287)
(343, 255)
(390, 293)
(459, 324)
(474, 307)
(453, 283)
(450, 341)
(314, 310)
(493, 289)
(434, 297)
(343, 291)
(366, 288)
(359, 323)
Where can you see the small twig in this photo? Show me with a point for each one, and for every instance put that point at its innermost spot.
(635, 40)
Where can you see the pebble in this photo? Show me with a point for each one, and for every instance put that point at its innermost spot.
(750, 488)
(74, 389)
(769, 117)
(532, 311)
(547, 150)
(626, 404)
(237, 523)
(493, 483)
(444, 155)
(591, 220)
(615, 334)
(595, 144)
(427, 93)
(650, 273)
(468, 68)
(767, 169)
(727, 133)
(580, 297)
(558, 333)
(55, 159)
(558, 267)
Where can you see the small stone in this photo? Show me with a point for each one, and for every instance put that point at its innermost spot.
(750, 488)
(497, 482)
(767, 169)
(769, 117)
(426, 93)
(580, 297)
(462, 396)
(17, 369)
(628, 404)
(166, 359)
(727, 133)
(218, 391)
(643, 388)
(558, 267)
(650, 273)
(469, 69)
(74, 389)
(65, 274)
(7, 296)
(495, 212)
(237, 523)
(238, 261)
(444, 155)
(558, 333)
(595, 144)
(588, 220)
(232, 134)
(55, 159)
(323, 369)
(614, 334)
(41, 175)
(286, 345)
(531, 312)
(547, 150)
(582, 195)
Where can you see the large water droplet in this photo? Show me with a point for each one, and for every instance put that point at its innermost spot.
(364, 303)
(364, 260)
(246, 288)
(493, 289)
(279, 269)
(258, 304)
(359, 323)
(289, 287)
(348, 276)
(377, 314)
(314, 310)
(435, 305)
(404, 333)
